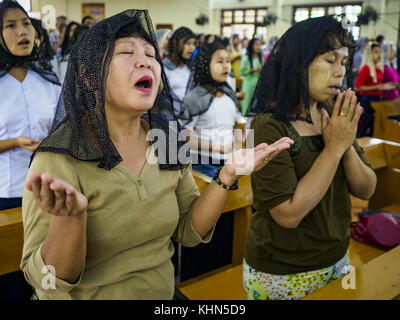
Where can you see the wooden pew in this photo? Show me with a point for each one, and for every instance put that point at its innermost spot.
(377, 280)
(11, 240)
(240, 202)
(384, 109)
(384, 157)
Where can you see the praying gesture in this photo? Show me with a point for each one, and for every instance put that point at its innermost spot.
(339, 130)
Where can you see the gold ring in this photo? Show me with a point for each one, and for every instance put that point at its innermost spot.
(343, 114)
(267, 159)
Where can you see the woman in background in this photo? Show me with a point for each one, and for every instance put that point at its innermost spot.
(66, 48)
(29, 94)
(271, 43)
(250, 67)
(236, 57)
(178, 68)
(369, 85)
(213, 107)
(43, 42)
(162, 37)
(390, 74)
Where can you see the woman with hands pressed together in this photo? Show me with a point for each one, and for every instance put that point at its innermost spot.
(101, 204)
(299, 235)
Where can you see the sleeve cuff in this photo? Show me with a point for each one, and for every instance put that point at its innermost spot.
(44, 278)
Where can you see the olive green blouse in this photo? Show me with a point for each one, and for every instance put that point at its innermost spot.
(322, 237)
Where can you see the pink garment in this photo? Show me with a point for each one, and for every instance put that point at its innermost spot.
(265, 57)
(390, 75)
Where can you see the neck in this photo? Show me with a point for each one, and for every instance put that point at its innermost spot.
(124, 128)
(19, 73)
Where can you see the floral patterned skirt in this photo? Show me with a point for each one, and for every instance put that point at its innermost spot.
(266, 286)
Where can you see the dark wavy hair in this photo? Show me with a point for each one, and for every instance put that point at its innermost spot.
(283, 82)
(45, 43)
(67, 43)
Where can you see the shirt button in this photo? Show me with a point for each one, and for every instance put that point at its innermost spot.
(140, 182)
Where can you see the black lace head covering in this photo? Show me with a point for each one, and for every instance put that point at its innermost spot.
(32, 61)
(283, 82)
(199, 100)
(80, 130)
(175, 49)
(202, 73)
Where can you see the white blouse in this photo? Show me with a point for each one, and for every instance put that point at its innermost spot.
(178, 80)
(216, 124)
(27, 108)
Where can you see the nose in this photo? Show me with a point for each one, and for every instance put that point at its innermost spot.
(143, 64)
(22, 31)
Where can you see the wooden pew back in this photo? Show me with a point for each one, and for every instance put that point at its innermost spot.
(385, 128)
(11, 240)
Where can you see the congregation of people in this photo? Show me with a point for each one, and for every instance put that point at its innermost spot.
(74, 139)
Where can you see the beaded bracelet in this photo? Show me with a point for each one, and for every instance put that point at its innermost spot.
(216, 178)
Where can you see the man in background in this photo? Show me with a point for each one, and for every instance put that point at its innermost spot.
(88, 21)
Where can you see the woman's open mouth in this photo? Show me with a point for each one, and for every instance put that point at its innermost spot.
(144, 84)
(24, 43)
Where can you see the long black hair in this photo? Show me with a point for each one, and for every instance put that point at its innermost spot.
(44, 38)
(66, 46)
(283, 82)
(250, 51)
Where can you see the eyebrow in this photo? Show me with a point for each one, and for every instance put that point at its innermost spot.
(340, 55)
(10, 20)
(131, 42)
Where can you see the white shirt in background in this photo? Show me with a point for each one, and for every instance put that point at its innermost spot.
(27, 108)
(178, 80)
(216, 125)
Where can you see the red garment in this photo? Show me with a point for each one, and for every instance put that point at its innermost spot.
(364, 79)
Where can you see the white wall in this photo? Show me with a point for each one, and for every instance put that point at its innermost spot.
(176, 12)
(183, 12)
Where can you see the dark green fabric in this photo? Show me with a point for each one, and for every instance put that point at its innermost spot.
(322, 237)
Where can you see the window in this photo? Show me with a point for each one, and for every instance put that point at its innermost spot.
(245, 22)
(351, 10)
(26, 4)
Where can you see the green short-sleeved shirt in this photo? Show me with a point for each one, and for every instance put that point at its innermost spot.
(130, 223)
(322, 237)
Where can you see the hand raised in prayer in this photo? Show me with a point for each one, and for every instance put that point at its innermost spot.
(339, 130)
(28, 143)
(245, 161)
(56, 196)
